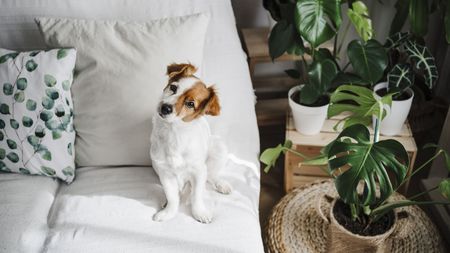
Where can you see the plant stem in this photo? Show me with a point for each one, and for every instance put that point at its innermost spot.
(422, 193)
(378, 212)
(296, 153)
(420, 168)
(346, 66)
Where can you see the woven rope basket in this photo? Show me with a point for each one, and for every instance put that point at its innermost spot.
(296, 226)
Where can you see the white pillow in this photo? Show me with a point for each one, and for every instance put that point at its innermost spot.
(36, 127)
(120, 74)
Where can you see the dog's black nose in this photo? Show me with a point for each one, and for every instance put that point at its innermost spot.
(166, 109)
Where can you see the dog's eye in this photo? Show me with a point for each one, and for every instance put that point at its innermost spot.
(189, 104)
(173, 88)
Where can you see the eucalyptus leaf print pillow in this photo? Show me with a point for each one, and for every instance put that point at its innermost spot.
(36, 127)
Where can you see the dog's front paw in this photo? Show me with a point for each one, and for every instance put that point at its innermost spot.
(164, 215)
(222, 186)
(202, 215)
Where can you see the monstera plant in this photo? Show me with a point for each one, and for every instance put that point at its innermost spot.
(366, 171)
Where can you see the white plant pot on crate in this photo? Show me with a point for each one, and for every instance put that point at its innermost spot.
(392, 124)
(308, 120)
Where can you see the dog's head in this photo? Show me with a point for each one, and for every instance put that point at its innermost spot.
(186, 97)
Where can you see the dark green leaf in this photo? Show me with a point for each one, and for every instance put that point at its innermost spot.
(309, 94)
(34, 53)
(402, 7)
(2, 124)
(24, 171)
(11, 144)
(400, 77)
(47, 103)
(49, 80)
(2, 154)
(19, 96)
(52, 125)
(320, 76)
(2, 136)
(33, 140)
(60, 111)
(368, 59)
(31, 65)
(14, 123)
(280, 38)
(13, 157)
(424, 61)
(52, 93)
(69, 148)
(418, 17)
(27, 121)
(396, 40)
(31, 104)
(293, 73)
(317, 20)
(46, 115)
(22, 83)
(6, 57)
(66, 85)
(39, 131)
(359, 16)
(8, 89)
(4, 109)
(61, 53)
(48, 171)
(368, 163)
(3, 167)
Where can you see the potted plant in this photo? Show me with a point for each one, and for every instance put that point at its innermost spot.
(408, 61)
(363, 215)
(316, 22)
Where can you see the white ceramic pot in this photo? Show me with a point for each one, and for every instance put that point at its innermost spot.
(392, 124)
(307, 120)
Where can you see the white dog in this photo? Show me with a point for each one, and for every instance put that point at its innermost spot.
(182, 147)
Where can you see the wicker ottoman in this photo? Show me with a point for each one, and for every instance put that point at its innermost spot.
(296, 226)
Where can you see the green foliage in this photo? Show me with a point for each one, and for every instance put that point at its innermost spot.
(66, 85)
(2, 154)
(48, 171)
(8, 89)
(60, 111)
(48, 103)
(49, 80)
(424, 61)
(400, 77)
(52, 93)
(22, 83)
(359, 16)
(271, 155)
(27, 121)
(24, 171)
(367, 162)
(31, 105)
(2, 124)
(19, 96)
(4, 109)
(6, 57)
(69, 148)
(46, 115)
(61, 53)
(317, 20)
(14, 123)
(33, 140)
(56, 134)
(396, 40)
(320, 75)
(31, 65)
(39, 131)
(368, 59)
(360, 101)
(13, 157)
(418, 17)
(11, 144)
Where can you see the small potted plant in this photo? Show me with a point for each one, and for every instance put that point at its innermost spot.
(366, 173)
(316, 22)
(408, 61)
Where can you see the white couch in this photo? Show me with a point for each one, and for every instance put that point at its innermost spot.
(109, 209)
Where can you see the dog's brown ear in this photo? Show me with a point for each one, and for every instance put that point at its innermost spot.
(212, 107)
(180, 70)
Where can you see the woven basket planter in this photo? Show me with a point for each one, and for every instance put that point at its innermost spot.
(296, 226)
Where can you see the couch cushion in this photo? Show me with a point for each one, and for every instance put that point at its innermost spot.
(120, 74)
(36, 127)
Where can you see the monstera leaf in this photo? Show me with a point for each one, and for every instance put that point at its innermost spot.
(369, 59)
(359, 16)
(400, 77)
(317, 20)
(271, 155)
(359, 101)
(367, 162)
(423, 61)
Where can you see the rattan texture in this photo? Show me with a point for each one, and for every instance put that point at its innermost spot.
(296, 226)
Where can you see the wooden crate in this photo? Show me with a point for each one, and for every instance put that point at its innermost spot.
(296, 174)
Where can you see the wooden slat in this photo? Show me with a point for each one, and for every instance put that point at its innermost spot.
(271, 111)
(273, 87)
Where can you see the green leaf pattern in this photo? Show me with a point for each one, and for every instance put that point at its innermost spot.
(35, 122)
